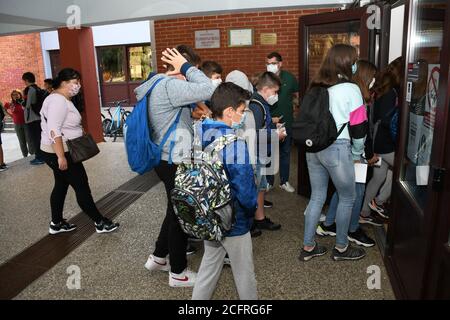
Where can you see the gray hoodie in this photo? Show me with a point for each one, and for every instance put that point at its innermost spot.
(168, 97)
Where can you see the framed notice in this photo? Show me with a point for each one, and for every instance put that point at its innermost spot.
(240, 37)
(207, 39)
(268, 38)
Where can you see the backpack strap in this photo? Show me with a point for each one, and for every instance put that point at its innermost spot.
(261, 106)
(219, 144)
(342, 129)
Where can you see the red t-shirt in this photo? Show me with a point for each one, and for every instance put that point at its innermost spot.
(17, 112)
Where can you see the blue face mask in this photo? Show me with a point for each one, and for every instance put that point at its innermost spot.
(354, 68)
(240, 124)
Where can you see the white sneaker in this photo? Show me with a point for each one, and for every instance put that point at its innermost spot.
(184, 279)
(287, 187)
(269, 187)
(157, 264)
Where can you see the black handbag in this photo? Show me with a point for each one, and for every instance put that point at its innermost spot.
(82, 148)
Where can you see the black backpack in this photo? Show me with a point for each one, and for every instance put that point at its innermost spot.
(41, 94)
(315, 127)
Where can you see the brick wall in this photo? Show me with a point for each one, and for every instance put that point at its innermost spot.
(247, 59)
(19, 54)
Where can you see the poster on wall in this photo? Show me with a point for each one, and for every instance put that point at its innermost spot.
(207, 39)
(240, 37)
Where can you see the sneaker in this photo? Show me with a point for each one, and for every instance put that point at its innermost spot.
(3, 167)
(61, 227)
(36, 162)
(371, 219)
(287, 187)
(190, 250)
(360, 238)
(316, 252)
(268, 204)
(323, 230)
(351, 254)
(106, 226)
(269, 187)
(255, 232)
(266, 224)
(157, 264)
(184, 279)
(226, 260)
(379, 209)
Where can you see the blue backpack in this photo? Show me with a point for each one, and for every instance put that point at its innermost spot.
(143, 154)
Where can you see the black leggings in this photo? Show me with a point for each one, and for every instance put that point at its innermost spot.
(172, 240)
(75, 176)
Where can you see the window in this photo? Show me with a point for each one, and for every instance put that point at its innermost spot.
(112, 64)
(139, 62)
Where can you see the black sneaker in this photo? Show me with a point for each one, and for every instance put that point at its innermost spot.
(255, 232)
(266, 224)
(351, 254)
(371, 219)
(3, 167)
(106, 226)
(316, 252)
(268, 204)
(323, 230)
(226, 260)
(379, 209)
(190, 250)
(360, 238)
(61, 227)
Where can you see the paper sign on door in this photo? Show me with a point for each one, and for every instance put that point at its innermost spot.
(360, 172)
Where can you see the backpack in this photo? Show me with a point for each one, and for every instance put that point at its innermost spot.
(41, 94)
(143, 154)
(394, 114)
(202, 197)
(261, 106)
(315, 127)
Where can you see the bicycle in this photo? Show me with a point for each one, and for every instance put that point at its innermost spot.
(114, 125)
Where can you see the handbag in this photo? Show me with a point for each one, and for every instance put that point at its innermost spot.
(82, 148)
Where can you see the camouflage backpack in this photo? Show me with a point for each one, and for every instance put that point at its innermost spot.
(202, 196)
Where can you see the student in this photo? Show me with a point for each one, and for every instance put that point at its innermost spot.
(32, 119)
(212, 70)
(16, 112)
(182, 85)
(337, 161)
(283, 108)
(266, 96)
(62, 122)
(364, 78)
(3, 166)
(48, 86)
(386, 92)
(227, 105)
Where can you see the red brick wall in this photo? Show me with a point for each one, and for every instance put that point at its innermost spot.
(250, 60)
(19, 54)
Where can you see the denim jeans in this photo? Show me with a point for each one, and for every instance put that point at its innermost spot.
(285, 159)
(336, 162)
(354, 221)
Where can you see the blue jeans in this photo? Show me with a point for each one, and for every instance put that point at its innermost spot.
(336, 162)
(285, 159)
(354, 220)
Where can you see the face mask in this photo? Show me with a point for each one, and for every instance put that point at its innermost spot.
(217, 82)
(74, 89)
(272, 99)
(272, 68)
(240, 124)
(354, 68)
(372, 83)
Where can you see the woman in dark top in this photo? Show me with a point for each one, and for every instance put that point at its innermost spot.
(386, 91)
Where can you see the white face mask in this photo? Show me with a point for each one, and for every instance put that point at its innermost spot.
(74, 89)
(272, 68)
(372, 83)
(216, 82)
(272, 99)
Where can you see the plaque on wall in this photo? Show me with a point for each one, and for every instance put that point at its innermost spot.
(268, 38)
(207, 39)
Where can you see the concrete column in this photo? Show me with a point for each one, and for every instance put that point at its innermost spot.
(78, 52)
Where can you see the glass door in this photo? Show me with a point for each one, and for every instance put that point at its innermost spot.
(421, 153)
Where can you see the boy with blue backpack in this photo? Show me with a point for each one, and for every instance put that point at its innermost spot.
(227, 105)
(170, 129)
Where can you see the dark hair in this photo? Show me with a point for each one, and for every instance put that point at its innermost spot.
(390, 78)
(65, 75)
(191, 56)
(363, 77)
(49, 81)
(275, 55)
(29, 77)
(227, 95)
(211, 67)
(337, 63)
(268, 79)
